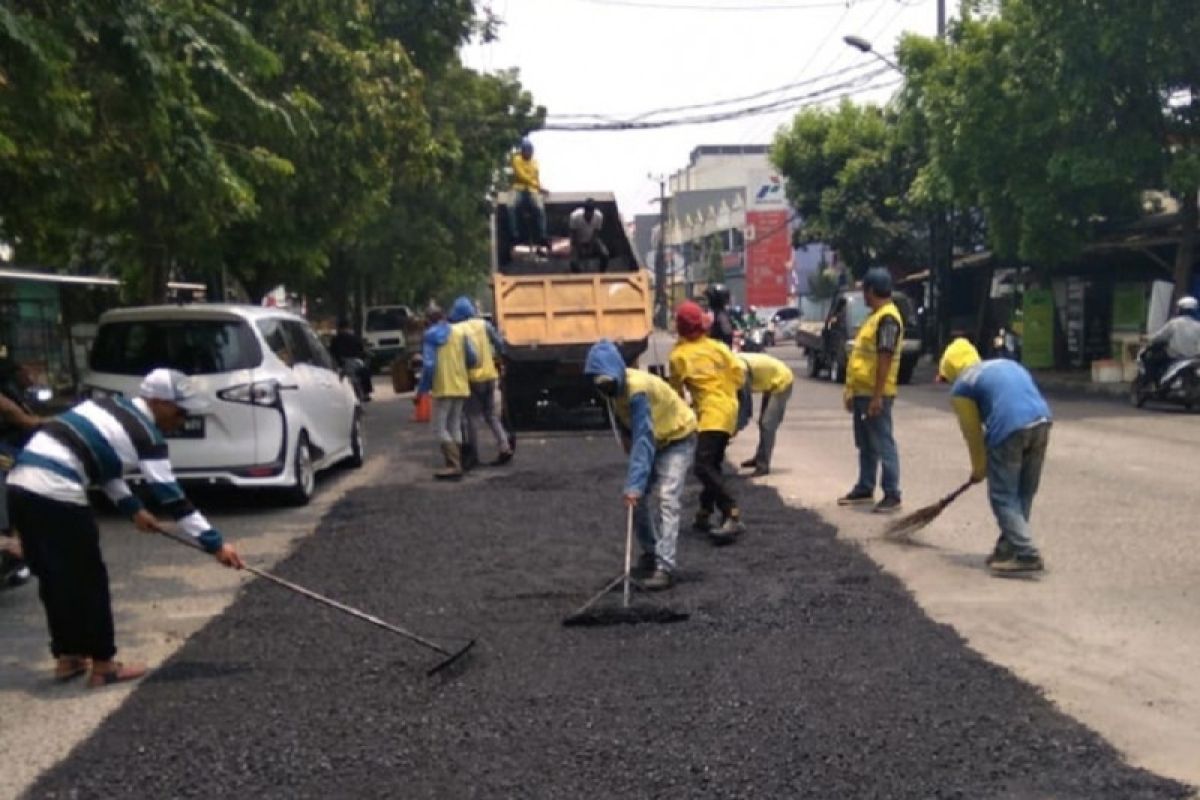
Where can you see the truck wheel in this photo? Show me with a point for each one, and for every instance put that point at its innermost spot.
(907, 365)
(837, 373)
(814, 364)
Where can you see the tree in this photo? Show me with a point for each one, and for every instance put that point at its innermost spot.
(848, 175)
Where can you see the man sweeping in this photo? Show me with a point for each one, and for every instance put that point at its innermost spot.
(713, 376)
(1006, 423)
(94, 445)
(482, 377)
(447, 357)
(659, 433)
(773, 379)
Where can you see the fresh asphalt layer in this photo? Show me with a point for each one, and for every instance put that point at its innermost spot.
(804, 670)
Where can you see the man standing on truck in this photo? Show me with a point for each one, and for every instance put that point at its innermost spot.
(713, 376)
(659, 433)
(773, 378)
(872, 373)
(585, 225)
(527, 194)
(447, 358)
(482, 377)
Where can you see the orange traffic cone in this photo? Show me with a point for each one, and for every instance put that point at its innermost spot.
(423, 408)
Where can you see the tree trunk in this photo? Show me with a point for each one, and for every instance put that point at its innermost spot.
(1185, 254)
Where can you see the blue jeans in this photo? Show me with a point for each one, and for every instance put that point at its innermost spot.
(534, 203)
(658, 533)
(876, 444)
(1014, 470)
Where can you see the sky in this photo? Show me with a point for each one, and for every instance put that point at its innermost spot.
(623, 57)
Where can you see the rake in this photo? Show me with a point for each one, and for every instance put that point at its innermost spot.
(911, 523)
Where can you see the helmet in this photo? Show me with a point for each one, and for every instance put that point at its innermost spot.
(526, 143)
(717, 295)
(879, 281)
(1187, 304)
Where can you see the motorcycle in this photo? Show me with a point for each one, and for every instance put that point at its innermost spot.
(755, 340)
(360, 378)
(1179, 383)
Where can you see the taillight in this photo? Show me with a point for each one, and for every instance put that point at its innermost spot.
(259, 393)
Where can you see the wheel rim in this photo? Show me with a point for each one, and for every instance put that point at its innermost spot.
(305, 477)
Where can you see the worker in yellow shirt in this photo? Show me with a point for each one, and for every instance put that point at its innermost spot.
(448, 357)
(871, 377)
(527, 194)
(713, 376)
(773, 378)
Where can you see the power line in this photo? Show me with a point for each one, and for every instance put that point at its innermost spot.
(834, 92)
(714, 103)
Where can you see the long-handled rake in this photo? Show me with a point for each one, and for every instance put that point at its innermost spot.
(450, 655)
(589, 615)
(911, 523)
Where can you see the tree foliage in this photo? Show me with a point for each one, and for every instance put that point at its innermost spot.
(321, 143)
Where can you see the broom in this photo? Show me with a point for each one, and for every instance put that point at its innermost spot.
(911, 523)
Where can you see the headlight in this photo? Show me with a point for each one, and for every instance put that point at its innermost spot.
(259, 393)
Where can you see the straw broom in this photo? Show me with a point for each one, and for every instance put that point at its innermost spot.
(911, 523)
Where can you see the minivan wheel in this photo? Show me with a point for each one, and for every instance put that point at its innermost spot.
(357, 444)
(303, 473)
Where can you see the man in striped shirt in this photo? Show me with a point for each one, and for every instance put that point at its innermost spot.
(95, 444)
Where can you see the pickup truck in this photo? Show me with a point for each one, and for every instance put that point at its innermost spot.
(827, 342)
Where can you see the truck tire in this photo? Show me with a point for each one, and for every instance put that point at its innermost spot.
(813, 362)
(907, 365)
(837, 373)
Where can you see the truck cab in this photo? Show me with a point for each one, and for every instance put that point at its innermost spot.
(383, 334)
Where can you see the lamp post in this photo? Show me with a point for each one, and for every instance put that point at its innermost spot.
(859, 43)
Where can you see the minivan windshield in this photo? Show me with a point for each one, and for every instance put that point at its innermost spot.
(192, 346)
(386, 319)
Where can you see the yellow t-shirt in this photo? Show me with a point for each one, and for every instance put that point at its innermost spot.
(767, 373)
(712, 375)
(525, 174)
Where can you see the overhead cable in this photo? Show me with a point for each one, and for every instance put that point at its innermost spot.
(661, 6)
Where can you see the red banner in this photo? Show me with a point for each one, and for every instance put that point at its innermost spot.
(768, 257)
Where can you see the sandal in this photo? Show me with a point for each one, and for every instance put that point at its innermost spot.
(70, 667)
(118, 674)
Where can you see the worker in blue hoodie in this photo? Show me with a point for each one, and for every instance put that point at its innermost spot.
(488, 345)
(447, 358)
(1006, 424)
(658, 431)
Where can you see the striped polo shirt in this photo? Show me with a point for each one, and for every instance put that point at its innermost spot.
(97, 443)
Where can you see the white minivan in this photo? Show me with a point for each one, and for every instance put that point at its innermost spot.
(279, 409)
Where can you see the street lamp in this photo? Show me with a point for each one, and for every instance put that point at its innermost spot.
(859, 43)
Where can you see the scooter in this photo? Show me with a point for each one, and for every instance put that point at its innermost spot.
(1179, 383)
(755, 339)
(360, 377)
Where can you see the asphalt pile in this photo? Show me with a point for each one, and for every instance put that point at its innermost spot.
(803, 671)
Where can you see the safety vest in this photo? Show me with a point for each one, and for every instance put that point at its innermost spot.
(860, 369)
(670, 415)
(768, 374)
(450, 376)
(485, 370)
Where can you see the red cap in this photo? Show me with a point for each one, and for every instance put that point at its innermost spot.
(689, 320)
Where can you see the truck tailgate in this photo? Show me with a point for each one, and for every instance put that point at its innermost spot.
(550, 310)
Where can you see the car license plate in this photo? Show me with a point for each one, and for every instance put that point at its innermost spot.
(193, 428)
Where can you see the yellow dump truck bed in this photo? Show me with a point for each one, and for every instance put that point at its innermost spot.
(557, 311)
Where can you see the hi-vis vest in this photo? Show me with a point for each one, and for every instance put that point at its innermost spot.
(486, 369)
(860, 369)
(672, 418)
(450, 375)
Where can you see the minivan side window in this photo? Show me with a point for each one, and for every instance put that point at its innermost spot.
(298, 342)
(277, 340)
(320, 356)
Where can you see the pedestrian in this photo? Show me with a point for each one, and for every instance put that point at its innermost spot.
(17, 426)
(713, 376)
(774, 379)
(720, 326)
(94, 445)
(872, 373)
(1006, 423)
(350, 353)
(446, 359)
(658, 431)
(481, 404)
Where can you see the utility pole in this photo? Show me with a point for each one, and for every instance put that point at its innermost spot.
(941, 12)
(660, 262)
(942, 246)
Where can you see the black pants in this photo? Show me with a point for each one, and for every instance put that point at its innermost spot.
(710, 455)
(62, 547)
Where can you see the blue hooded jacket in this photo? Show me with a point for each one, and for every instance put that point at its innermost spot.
(437, 335)
(463, 310)
(605, 359)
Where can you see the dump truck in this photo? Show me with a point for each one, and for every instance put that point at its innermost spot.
(550, 311)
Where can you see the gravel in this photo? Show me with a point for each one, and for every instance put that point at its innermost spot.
(803, 670)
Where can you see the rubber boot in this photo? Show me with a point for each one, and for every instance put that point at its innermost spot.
(453, 469)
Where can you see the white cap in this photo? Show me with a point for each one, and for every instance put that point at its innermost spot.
(1186, 304)
(173, 386)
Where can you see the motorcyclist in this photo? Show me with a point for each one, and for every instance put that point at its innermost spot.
(1179, 339)
(351, 355)
(717, 296)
